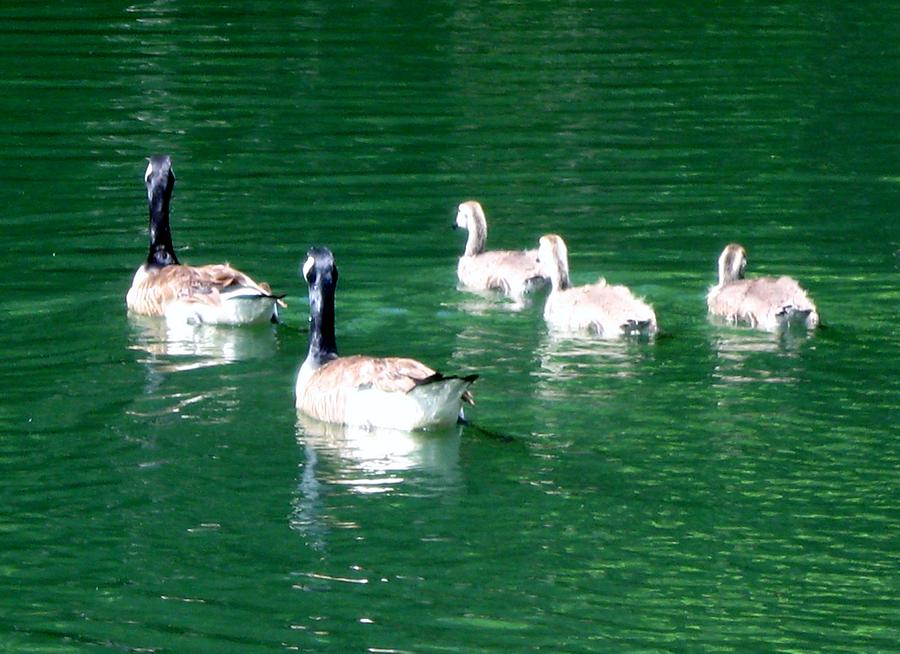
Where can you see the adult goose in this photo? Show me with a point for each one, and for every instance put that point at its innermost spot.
(768, 303)
(364, 391)
(512, 272)
(213, 294)
(603, 310)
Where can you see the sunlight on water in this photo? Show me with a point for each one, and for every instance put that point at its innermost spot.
(714, 489)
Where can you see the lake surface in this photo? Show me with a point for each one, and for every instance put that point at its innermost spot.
(716, 490)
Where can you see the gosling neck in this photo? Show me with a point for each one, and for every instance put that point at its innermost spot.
(477, 229)
(731, 265)
(555, 262)
(559, 275)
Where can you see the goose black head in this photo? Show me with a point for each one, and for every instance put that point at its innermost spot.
(319, 268)
(159, 177)
(160, 181)
(320, 272)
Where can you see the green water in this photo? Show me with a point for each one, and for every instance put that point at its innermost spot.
(717, 490)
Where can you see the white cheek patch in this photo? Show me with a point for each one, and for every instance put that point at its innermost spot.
(310, 262)
(147, 172)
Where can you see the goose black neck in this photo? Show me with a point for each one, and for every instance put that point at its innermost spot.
(159, 195)
(322, 345)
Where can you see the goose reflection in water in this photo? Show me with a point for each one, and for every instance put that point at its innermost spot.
(372, 459)
(585, 371)
(747, 356)
(366, 461)
(482, 303)
(167, 347)
(571, 356)
(179, 346)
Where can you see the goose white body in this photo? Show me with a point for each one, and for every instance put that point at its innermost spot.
(239, 307)
(359, 401)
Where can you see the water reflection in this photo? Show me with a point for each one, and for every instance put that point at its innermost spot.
(365, 462)
(571, 356)
(750, 355)
(214, 405)
(489, 348)
(178, 346)
(373, 460)
(480, 303)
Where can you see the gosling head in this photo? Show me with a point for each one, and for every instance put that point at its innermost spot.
(553, 258)
(468, 214)
(732, 263)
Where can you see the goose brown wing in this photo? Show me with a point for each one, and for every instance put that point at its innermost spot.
(387, 374)
(207, 280)
(204, 283)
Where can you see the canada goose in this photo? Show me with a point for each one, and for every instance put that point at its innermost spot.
(365, 391)
(513, 272)
(214, 294)
(769, 303)
(607, 311)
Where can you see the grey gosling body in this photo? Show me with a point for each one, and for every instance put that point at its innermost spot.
(512, 272)
(768, 303)
(212, 294)
(364, 391)
(601, 309)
